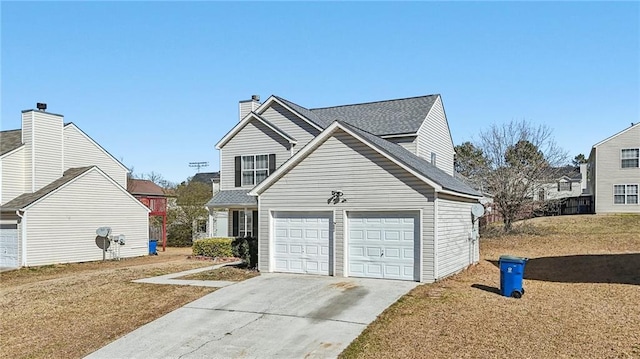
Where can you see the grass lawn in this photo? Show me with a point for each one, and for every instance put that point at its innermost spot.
(582, 300)
(71, 310)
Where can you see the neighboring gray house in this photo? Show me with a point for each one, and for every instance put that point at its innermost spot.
(614, 172)
(363, 190)
(58, 186)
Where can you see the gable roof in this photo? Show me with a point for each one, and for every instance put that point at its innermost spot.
(25, 200)
(206, 177)
(430, 174)
(248, 118)
(390, 117)
(232, 198)
(10, 140)
(616, 135)
(144, 187)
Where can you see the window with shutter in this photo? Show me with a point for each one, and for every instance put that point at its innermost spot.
(253, 169)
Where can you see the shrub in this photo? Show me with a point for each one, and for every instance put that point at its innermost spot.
(247, 250)
(213, 247)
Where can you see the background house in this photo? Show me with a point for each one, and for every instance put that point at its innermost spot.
(614, 172)
(155, 198)
(362, 190)
(59, 186)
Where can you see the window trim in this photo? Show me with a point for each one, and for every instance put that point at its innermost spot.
(253, 170)
(626, 194)
(637, 158)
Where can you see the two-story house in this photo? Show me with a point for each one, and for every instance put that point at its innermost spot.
(363, 190)
(58, 186)
(614, 172)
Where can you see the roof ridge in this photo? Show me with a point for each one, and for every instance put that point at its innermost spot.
(372, 102)
(5, 131)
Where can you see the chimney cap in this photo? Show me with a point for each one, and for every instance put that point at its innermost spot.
(41, 106)
(255, 97)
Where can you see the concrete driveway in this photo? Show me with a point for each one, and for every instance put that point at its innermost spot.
(273, 315)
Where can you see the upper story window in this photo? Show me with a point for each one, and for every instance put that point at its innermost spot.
(253, 169)
(625, 194)
(564, 186)
(630, 158)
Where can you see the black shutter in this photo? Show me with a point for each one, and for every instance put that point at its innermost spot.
(272, 163)
(236, 222)
(255, 224)
(558, 186)
(238, 171)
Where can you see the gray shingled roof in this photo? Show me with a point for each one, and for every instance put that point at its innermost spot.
(10, 140)
(383, 117)
(206, 177)
(232, 198)
(380, 118)
(418, 164)
(26, 199)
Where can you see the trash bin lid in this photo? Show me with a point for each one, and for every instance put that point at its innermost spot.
(153, 240)
(513, 259)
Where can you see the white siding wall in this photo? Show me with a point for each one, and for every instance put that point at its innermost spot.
(80, 151)
(61, 228)
(609, 172)
(291, 124)
(12, 174)
(27, 139)
(434, 136)
(455, 224)
(42, 136)
(551, 191)
(254, 139)
(369, 182)
(410, 143)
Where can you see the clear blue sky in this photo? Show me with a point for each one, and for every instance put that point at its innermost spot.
(158, 83)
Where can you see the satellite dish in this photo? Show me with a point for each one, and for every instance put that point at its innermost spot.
(103, 243)
(103, 231)
(477, 210)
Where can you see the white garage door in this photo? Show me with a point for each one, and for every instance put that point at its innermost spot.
(302, 242)
(383, 245)
(8, 245)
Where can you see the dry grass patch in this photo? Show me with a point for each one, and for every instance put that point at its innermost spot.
(71, 310)
(582, 292)
(229, 273)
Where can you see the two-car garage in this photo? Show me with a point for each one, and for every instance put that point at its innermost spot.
(376, 245)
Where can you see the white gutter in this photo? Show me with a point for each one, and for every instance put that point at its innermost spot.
(23, 228)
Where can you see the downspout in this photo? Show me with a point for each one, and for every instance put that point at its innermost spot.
(23, 229)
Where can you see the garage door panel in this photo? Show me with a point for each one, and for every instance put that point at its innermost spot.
(382, 244)
(306, 237)
(9, 246)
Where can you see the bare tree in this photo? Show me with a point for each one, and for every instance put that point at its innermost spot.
(518, 156)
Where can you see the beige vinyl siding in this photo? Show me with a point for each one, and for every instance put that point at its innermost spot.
(551, 190)
(61, 227)
(27, 139)
(434, 136)
(254, 139)
(455, 225)
(12, 168)
(368, 180)
(410, 143)
(291, 124)
(609, 172)
(47, 148)
(245, 107)
(80, 151)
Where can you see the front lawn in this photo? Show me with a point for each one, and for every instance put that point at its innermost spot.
(582, 300)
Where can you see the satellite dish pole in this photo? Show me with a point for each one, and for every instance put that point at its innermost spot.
(198, 165)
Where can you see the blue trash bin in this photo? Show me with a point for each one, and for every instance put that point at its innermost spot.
(511, 275)
(153, 247)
